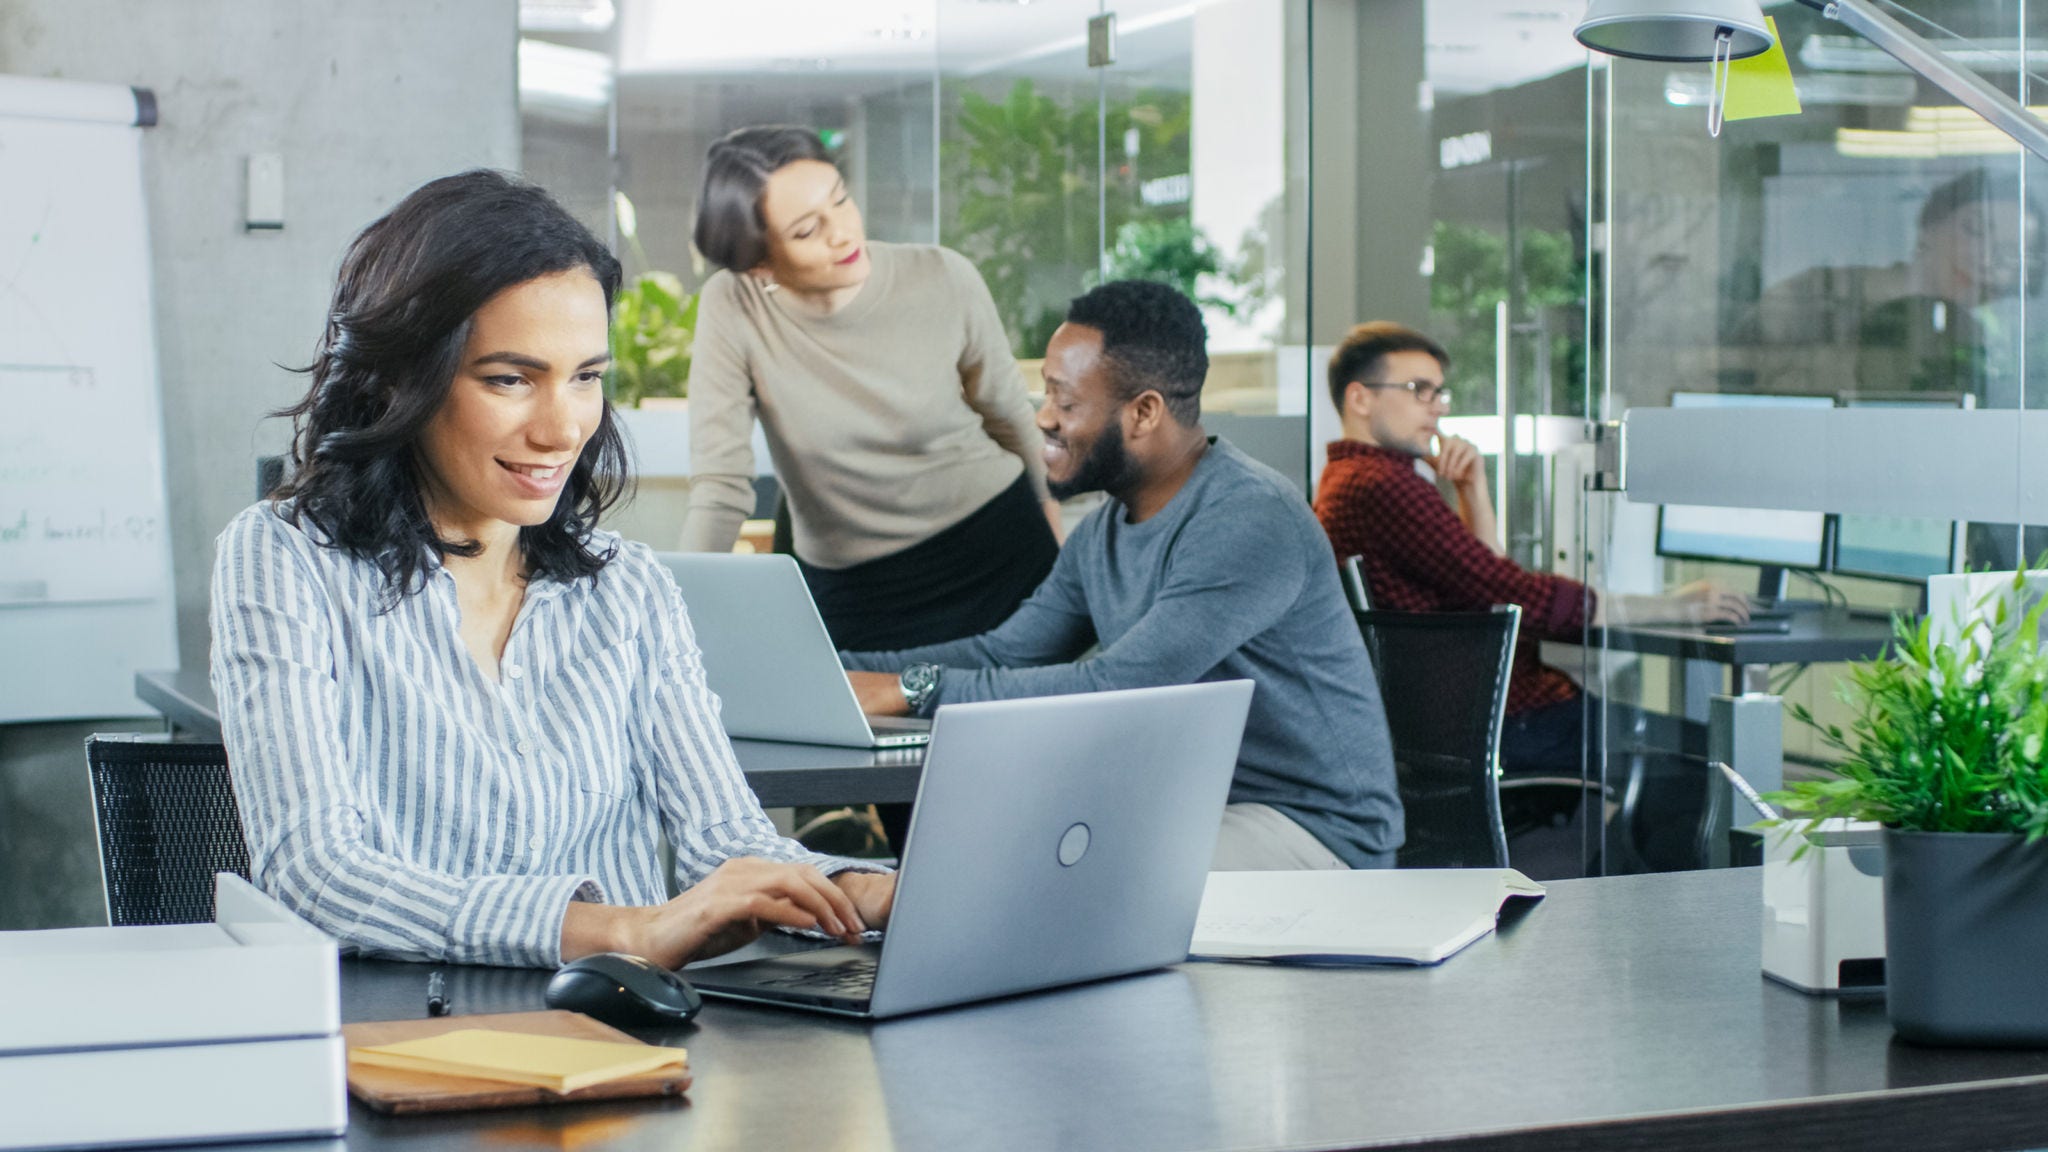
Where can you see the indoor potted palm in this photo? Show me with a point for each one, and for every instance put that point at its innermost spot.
(1946, 750)
(654, 325)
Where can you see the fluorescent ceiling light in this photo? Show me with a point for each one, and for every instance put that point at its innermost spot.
(1078, 42)
(855, 36)
(871, 37)
(1930, 134)
(1692, 89)
(1852, 54)
(571, 82)
(566, 15)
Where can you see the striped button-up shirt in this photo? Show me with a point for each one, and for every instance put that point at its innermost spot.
(401, 800)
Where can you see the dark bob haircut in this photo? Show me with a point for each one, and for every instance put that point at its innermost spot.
(1358, 355)
(1154, 340)
(408, 289)
(730, 231)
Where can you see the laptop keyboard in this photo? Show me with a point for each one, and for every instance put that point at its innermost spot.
(851, 978)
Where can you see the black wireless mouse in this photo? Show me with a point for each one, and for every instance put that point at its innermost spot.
(623, 991)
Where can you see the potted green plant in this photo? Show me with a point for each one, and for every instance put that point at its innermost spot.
(1945, 749)
(654, 324)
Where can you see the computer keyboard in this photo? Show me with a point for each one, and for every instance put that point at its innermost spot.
(851, 978)
(1753, 625)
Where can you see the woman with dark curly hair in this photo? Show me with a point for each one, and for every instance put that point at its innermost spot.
(459, 715)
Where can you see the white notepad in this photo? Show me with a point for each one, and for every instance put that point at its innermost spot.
(1368, 916)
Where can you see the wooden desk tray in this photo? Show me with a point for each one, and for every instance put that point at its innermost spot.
(396, 1091)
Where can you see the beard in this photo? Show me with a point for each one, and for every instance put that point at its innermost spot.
(1106, 468)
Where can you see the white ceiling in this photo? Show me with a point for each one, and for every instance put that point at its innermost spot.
(1481, 45)
(1472, 45)
(866, 37)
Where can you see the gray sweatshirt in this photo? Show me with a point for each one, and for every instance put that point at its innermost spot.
(1231, 580)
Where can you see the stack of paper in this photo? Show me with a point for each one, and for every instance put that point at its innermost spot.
(558, 1063)
(206, 1032)
(1376, 916)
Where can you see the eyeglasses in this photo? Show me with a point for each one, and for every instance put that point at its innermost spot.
(1427, 391)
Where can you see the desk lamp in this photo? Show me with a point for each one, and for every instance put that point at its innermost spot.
(1721, 30)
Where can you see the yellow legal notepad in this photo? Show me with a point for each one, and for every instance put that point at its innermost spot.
(557, 1063)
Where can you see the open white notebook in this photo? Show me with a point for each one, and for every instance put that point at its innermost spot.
(1369, 916)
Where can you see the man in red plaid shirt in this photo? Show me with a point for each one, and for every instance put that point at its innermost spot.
(1419, 554)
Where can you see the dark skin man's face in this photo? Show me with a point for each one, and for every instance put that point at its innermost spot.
(1082, 417)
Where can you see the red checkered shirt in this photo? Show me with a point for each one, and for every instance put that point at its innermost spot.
(1418, 556)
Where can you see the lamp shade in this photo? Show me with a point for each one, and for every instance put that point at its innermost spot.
(1678, 30)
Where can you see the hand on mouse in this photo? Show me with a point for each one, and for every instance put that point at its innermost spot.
(738, 901)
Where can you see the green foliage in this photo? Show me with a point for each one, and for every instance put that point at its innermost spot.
(1172, 252)
(1021, 184)
(1470, 279)
(654, 325)
(1945, 737)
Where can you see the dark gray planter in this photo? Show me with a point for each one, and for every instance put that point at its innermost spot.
(1966, 938)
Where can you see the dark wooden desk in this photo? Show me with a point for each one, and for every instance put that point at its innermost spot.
(1811, 637)
(782, 775)
(1622, 1013)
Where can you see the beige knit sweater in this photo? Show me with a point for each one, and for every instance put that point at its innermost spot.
(888, 421)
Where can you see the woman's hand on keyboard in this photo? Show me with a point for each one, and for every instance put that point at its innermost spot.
(738, 901)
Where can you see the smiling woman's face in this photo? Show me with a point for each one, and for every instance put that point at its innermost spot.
(527, 396)
(816, 241)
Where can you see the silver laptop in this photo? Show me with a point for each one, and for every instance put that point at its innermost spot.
(1056, 839)
(769, 658)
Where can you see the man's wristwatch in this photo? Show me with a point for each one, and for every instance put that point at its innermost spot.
(920, 682)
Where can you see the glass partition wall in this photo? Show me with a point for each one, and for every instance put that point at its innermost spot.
(1817, 329)
(1821, 332)
(981, 125)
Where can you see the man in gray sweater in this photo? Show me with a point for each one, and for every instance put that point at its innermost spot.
(1203, 565)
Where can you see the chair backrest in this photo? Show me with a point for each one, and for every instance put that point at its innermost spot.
(269, 474)
(1444, 679)
(167, 822)
(1354, 584)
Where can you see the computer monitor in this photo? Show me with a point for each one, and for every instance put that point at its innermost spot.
(1907, 549)
(1775, 540)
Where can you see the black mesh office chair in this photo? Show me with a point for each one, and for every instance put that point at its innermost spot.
(167, 822)
(1444, 679)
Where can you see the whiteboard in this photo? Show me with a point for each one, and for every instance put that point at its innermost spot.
(86, 596)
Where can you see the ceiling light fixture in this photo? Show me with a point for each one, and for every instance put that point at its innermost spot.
(573, 83)
(566, 15)
(1615, 26)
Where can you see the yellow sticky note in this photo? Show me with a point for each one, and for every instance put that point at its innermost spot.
(558, 1063)
(1761, 85)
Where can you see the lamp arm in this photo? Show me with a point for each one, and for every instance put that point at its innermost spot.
(1938, 68)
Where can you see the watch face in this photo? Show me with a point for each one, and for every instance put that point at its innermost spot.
(919, 681)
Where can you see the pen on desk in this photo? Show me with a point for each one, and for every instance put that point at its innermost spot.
(1748, 793)
(437, 995)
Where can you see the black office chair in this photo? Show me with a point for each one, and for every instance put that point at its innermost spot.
(167, 822)
(269, 474)
(1444, 679)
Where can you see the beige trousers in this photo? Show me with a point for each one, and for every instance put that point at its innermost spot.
(1258, 838)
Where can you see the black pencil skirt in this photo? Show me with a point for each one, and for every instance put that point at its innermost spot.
(961, 582)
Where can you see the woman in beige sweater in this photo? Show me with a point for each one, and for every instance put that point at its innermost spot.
(884, 384)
